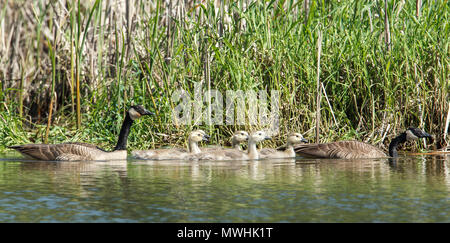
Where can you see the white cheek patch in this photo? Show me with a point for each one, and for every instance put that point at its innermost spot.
(134, 114)
(410, 136)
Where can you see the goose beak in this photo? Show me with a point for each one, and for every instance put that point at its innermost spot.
(426, 135)
(206, 137)
(147, 112)
(304, 140)
(267, 138)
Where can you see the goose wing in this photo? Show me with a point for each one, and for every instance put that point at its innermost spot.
(88, 145)
(57, 151)
(340, 150)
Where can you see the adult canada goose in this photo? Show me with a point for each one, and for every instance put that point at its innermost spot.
(356, 149)
(84, 151)
(174, 153)
(234, 154)
(293, 138)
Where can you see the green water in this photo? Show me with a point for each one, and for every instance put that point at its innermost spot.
(415, 189)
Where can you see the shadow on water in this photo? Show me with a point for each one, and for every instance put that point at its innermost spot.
(409, 189)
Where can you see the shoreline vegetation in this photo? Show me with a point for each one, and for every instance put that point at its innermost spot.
(70, 69)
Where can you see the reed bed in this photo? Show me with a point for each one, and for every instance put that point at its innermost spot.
(68, 69)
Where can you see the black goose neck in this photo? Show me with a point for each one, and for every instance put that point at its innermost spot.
(124, 132)
(394, 143)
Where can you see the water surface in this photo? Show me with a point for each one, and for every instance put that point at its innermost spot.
(414, 189)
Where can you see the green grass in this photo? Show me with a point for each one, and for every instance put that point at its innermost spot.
(266, 45)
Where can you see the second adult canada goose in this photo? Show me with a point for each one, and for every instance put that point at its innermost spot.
(85, 151)
(250, 154)
(356, 149)
(293, 138)
(174, 153)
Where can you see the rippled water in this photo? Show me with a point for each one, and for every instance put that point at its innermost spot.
(414, 189)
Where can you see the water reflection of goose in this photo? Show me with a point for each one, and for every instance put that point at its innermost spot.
(81, 167)
(79, 176)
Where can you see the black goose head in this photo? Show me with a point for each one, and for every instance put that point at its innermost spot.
(136, 111)
(414, 133)
(410, 134)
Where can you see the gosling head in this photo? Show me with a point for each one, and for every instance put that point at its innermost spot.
(259, 136)
(136, 111)
(414, 133)
(295, 138)
(240, 136)
(198, 136)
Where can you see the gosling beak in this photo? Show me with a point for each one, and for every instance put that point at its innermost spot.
(206, 137)
(267, 138)
(304, 140)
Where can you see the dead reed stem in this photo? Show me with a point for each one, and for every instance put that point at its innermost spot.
(49, 120)
(386, 28)
(319, 93)
(447, 124)
(418, 6)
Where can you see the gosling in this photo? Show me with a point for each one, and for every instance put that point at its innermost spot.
(174, 153)
(289, 152)
(250, 154)
(236, 140)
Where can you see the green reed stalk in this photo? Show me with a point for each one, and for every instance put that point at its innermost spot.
(52, 94)
(79, 47)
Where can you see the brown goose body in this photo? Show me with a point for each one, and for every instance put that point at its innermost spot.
(67, 152)
(340, 150)
(84, 151)
(356, 149)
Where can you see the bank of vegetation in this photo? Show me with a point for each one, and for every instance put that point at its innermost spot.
(69, 69)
